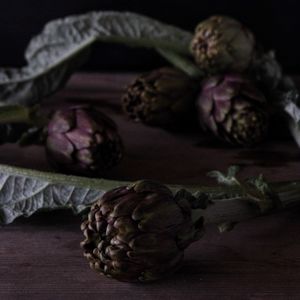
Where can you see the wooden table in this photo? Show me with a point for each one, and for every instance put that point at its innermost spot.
(40, 257)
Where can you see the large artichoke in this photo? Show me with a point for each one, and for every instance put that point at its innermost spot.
(139, 232)
(222, 44)
(83, 141)
(162, 97)
(233, 109)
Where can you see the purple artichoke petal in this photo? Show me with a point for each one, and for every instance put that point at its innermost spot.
(221, 109)
(85, 122)
(225, 91)
(126, 229)
(85, 157)
(166, 217)
(211, 82)
(124, 204)
(61, 149)
(80, 138)
(205, 100)
(61, 122)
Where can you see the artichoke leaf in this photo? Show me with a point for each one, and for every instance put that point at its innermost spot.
(24, 192)
(226, 179)
(63, 46)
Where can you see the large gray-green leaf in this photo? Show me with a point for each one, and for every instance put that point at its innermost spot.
(63, 45)
(24, 192)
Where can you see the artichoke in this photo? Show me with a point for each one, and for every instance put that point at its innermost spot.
(222, 44)
(163, 97)
(138, 233)
(81, 140)
(233, 109)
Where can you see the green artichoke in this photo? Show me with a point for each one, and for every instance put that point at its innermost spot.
(138, 233)
(163, 97)
(233, 109)
(222, 44)
(81, 140)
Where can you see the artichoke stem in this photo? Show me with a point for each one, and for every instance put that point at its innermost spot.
(288, 193)
(242, 208)
(15, 114)
(233, 210)
(181, 62)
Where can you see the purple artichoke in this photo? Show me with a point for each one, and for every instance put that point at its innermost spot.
(139, 232)
(83, 141)
(233, 109)
(163, 97)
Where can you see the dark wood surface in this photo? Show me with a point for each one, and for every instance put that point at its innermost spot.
(40, 257)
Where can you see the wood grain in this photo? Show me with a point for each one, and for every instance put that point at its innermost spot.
(40, 257)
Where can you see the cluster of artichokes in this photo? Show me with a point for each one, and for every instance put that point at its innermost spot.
(228, 98)
(139, 232)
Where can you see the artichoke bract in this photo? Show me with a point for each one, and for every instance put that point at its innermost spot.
(138, 233)
(83, 141)
(163, 97)
(233, 109)
(222, 44)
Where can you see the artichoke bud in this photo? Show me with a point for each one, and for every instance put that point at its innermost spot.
(233, 109)
(163, 97)
(138, 233)
(81, 140)
(222, 44)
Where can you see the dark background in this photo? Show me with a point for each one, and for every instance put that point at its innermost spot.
(276, 24)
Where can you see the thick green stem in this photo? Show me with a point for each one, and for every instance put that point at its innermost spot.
(242, 208)
(288, 193)
(21, 114)
(15, 114)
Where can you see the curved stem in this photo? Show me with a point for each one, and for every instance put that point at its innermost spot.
(181, 62)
